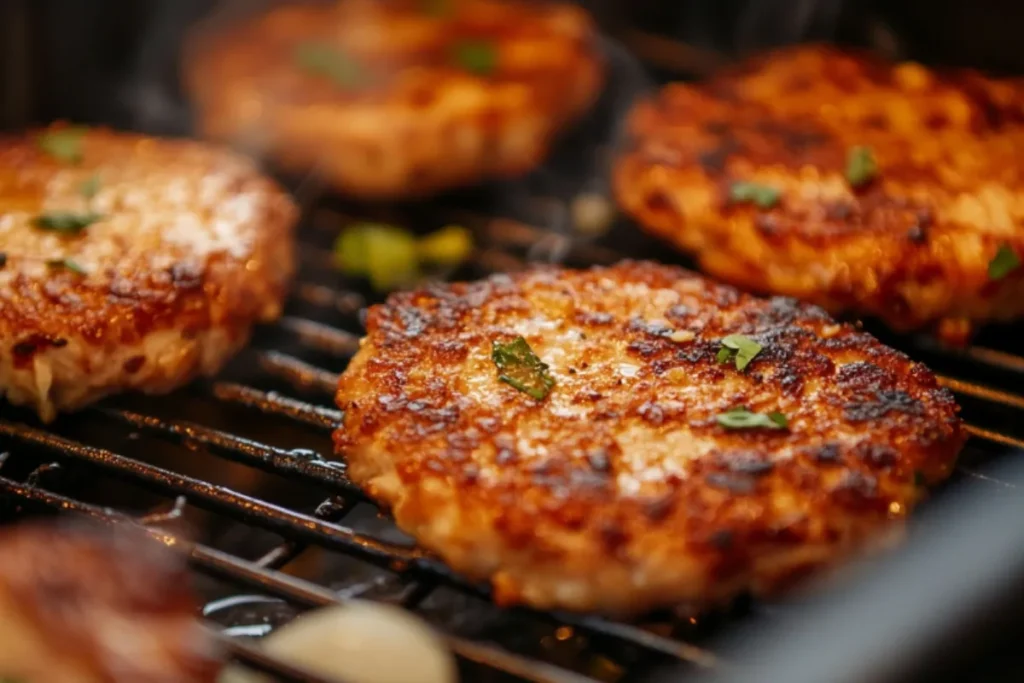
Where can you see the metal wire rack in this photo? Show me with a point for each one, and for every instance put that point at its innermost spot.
(279, 392)
(305, 404)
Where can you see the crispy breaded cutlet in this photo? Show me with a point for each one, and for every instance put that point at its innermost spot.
(648, 469)
(899, 190)
(398, 98)
(97, 605)
(130, 263)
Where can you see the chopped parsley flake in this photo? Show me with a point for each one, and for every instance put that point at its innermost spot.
(764, 196)
(66, 222)
(861, 167)
(739, 348)
(64, 144)
(520, 367)
(919, 478)
(67, 264)
(741, 418)
(1003, 263)
(325, 60)
(476, 56)
(3, 260)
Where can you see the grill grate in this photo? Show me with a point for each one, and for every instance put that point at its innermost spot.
(324, 527)
(287, 379)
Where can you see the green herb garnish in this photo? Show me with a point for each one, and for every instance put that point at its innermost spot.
(90, 186)
(67, 264)
(384, 254)
(64, 144)
(3, 260)
(1003, 263)
(861, 167)
(325, 60)
(739, 348)
(449, 246)
(66, 222)
(476, 56)
(741, 418)
(520, 367)
(389, 256)
(764, 196)
(920, 479)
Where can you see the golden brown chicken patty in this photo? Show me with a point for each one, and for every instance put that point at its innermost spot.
(654, 471)
(397, 98)
(129, 262)
(885, 190)
(96, 605)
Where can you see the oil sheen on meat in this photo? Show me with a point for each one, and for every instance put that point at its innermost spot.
(397, 98)
(186, 248)
(911, 246)
(620, 491)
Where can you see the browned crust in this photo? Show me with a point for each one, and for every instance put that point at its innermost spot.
(195, 243)
(912, 247)
(619, 492)
(422, 123)
(98, 605)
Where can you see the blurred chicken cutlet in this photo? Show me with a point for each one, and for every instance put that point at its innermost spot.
(398, 98)
(888, 190)
(130, 263)
(84, 604)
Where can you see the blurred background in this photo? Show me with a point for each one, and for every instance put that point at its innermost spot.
(115, 60)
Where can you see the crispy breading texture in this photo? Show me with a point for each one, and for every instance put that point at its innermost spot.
(620, 491)
(911, 246)
(94, 605)
(398, 98)
(189, 247)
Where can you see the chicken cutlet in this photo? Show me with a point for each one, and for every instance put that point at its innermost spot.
(397, 98)
(624, 438)
(130, 263)
(96, 605)
(888, 190)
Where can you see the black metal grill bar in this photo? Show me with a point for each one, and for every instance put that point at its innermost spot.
(348, 303)
(274, 403)
(294, 525)
(220, 499)
(994, 437)
(978, 354)
(296, 591)
(982, 392)
(297, 372)
(303, 464)
(322, 337)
